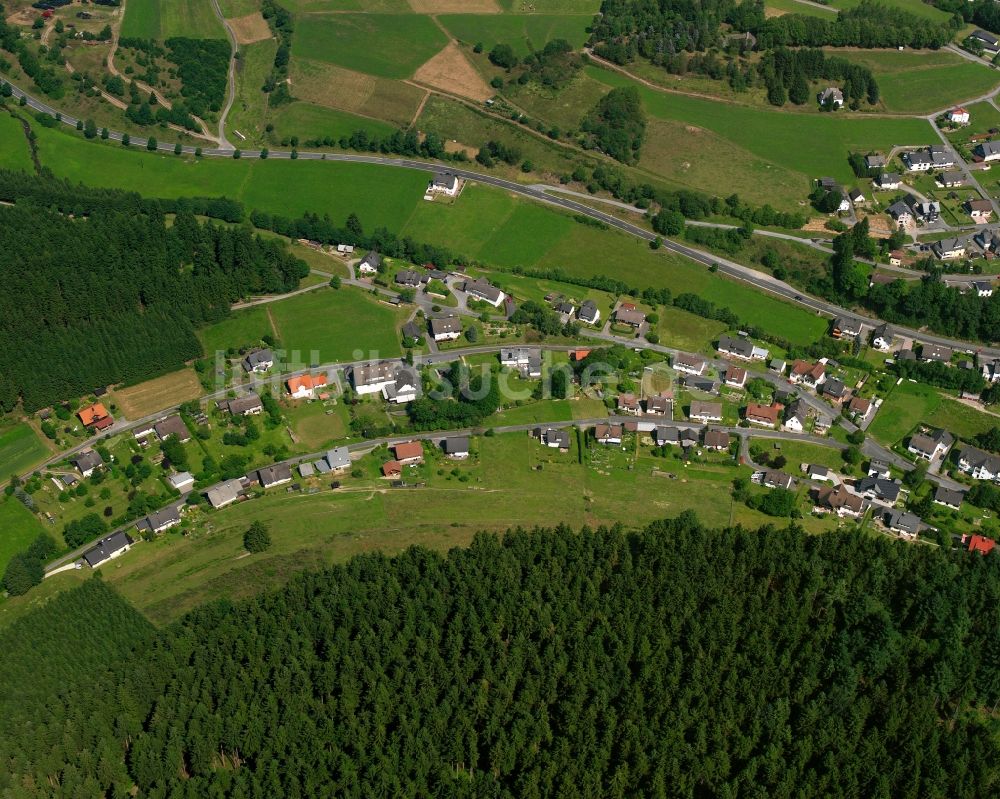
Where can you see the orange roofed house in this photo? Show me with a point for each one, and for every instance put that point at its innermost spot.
(303, 387)
(410, 452)
(392, 469)
(96, 417)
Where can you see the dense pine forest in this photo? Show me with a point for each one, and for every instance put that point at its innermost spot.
(102, 288)
(676, 661)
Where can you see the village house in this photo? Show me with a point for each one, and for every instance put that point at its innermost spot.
(304, 386)
(831, 96)
(839, 500)
(87, 461)
(276, 475)
(335, 460)
(629, 403)
(589, 313)
(983, 288)
(772, 478)
(181, 481)
(345, 249)
(371, 378)
(717, 440)
(878, 488)
(689, 364)
(951, 179)
(979, 544)
(742, 348)
(162, 520)
(875, 161)
(778, 366)
(392, 470)
(566, 311)
(882, 337)
(608, 434)
(902, 522)
(172, 426)
(225, 493)
(482, 290)
(661, 405)
(936, 353)
(856, 197)
(958, 116)
(405, 385)
(763, 415)
(409, 278)
(412, 331)
(859, 407)
(948, 497)
(795, 418)
(834, 389)
(991, 370)
(553, 438)
(446, 328)
(925, 210)
(409, 452)
(628, 314)
(685, 437)
(979, 210)
(703, 384)
(918, 160)
(979, 464)
(930, 445)
(456, 447)
(444, 183)
(901, 213)
(735, 376)
(527, 360)
(877, 468)
(888, 181)
(258, 361)
(706, 411)
(370, 264)
(985, 41)
(243, 406)
(986, 151)
(95, 417)
(107, 549)
(845, 327)
(819, 473)
(811, 374)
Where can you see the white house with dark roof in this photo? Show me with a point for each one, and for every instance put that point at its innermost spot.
(107, 549)
(979, 464)
(985, 41)
(371, 378)
(589, 313)
(87, 461)
(930, 445)
(444, 183)
(258, 361)
(987, 151)
(162, 520)
(446, 328)
(370, 264)
(225, 493)
(405, 385)
(689, 364)
(888, 181)
(483, 290)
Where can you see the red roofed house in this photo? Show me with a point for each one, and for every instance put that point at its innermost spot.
(764, 415)
(808, 373)
(578, 355)
(981, 544)
(410, 452)
(392, 469)
(958, 116)
(96, 417)
(303, 387)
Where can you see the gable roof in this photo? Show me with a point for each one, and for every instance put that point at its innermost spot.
(172, 426)
(92, 414)
(407, 450)
(446, 324)
(717, 438)
(709, 410)
(338, 458)
(456, 445)
(88, 460)
(106, 547)
(224, 493)
(949, 496)
(308, 382)
(764, 413)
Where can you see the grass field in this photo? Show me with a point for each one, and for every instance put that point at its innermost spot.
(308, 121)
(685, 331)
(523, 33)
(799, 452)
(921, 81)
(155, 395)
(13, 145)
(385, 45)
(18, 528)
(248, 111)
(241, 329)
(162, 19)
(20, 449)
(910, 404)
(983, 117)
(511, 481)
(794, 7)
(811, 144)
(917, 7)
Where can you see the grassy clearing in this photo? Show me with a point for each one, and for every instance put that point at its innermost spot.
(241, 329)
(308, 121)
(523, 33)
(250, 105)
(799, 452)
(921, 81)
(161, 19)
(14, 152)
(18, 528)
(157, 394)
(238, 8)
(917, 7)
(386, 45)
(906, 406)
(685, 331)
(778, 7)
(812, 144)
(20, 449)
(317, 426)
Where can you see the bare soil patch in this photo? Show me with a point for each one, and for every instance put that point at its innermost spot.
(156, 394)
(251, 28)
(454, 6)
(451, 72)
(458, 147)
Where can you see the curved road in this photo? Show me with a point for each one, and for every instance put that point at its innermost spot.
(758, 280)
(224, 144)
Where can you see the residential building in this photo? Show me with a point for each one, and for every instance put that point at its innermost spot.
(243, 406)
(717, 440)
(589, 313)
(983, 288)
(931, 445)
(845, 327)
(926, 210)
(763, 415)
(987, 151)
(877, 468)
(859, 407)
(831, 96)
(845, 204)
(918, 160)
(901, 213)
(950, 179)
(345, 249)
(689, 364)
(704, 384)
(772, 478)
(888, 181)
(630, 316)
(411, 330)
(936, 353)
(527, 360)
(337, 459)
(906, 524)
(371, 378)
(392, 469)
(409, 452)
(985, 41)
(834, 389)
(821, 473)
(741, 348)
(409, 278)
(958, 116)
(608, 434)
(87, 461)
(306, 469)
(875, 161)
(107, 549)
(778, 365)
(948, 497)
(839, 500)
(979, 210)
(566, 311)
(979, 544)
(225, 493)
(878, 488)
(794, 422)
(482, 290)
(304, 386)
(706, 411)
(96, 417)
(735, 376)
(258, 361)
(991, 370)
(882, 337)
(405, 385)
(276, 475)
(553, 438)
(979, 464)
(856, 197)
(370, 264)
(162, 520)
(661, 405)
(456, 447)
(172, 426)
(685, 436)
(444, 183)
(629, 403)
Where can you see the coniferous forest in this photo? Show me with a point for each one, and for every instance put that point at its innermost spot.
(107, 292)
(676, 661)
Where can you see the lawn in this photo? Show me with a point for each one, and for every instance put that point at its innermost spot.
(241, 329)
(523, 33)
(910, 404)
(20, 449)
(794, 7)
(155, 395)
(309, 121)
(917, 7)
(18, 528)
(812, 144)
(247, 114)
(921, 81)
(13, 145)
(162, 19)
(798, 452)
(319, 425)
(685, 331)
(386, 45)
(331, 326)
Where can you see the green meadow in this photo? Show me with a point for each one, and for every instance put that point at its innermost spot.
(917, 7)
(20, 449)
(910, 404)
(309, 121)
(18, 528)
(523, 33)
(386, 45)
(795, 7)
(162, 19)
(13, 145)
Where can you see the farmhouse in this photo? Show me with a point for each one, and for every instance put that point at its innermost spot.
(87, 461)
(936, 353)
(275, 475)
(96, 417)
(181, 481)
(837, 499)
(456, 447)
(405, 385)
(483, 290)
(373, 377)
(706, 411)
(930, 445)
(626, 315)
(717, 440)
(172, 426)
(370, 264)
(608, 434)
(409, 452)
(987, 151)
(979, 210)
(225, 493)
(244, 406)
(764, 415)
(589, 313)
(107, 549)
(958, 116)
(948, 497)
(978, 464)
(832, 97)
(689, 364)
(736, 376)
(161, 520)
(446, 328)
(304, 386)
(258, 361)
(444, 183)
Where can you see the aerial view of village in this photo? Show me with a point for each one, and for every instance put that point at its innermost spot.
(469, 398)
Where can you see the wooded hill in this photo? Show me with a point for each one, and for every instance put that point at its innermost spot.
(677, 661)
(114, 293)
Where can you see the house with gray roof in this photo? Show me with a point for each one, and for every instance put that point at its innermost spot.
(225, 493)
(243, 406)
(370, 264)
(87, 461)
(162, 520)
(553, 438)
(936, 353)
(408, 278)
(979, 464)
(987, 151)
(276, 475)
(456, 447)
(906, 524)
(107, 549)
(172, 426)
(258, 361)
(483, 290)
(949, 497)
(338, 459)
(901, 213)
(589, 313)
(706, 411)
(446, 328)
(930, 445)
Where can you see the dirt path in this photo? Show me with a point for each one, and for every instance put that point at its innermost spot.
(423, 102)
(230, 77)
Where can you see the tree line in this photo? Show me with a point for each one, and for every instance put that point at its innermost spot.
(545, 663)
